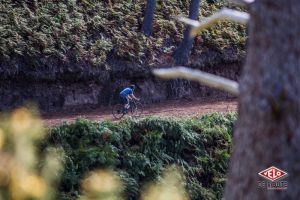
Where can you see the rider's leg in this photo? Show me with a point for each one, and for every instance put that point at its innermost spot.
(123, 101)
(127, 103)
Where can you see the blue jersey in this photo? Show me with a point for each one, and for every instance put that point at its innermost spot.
(126, 92)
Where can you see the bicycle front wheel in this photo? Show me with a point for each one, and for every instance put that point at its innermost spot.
(118, 111)
(137, 109)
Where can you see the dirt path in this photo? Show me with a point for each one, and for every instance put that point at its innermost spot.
(169, 108)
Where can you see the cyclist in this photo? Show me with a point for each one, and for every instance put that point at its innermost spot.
(126, 95)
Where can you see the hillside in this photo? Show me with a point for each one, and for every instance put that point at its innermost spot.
(140, 150)
(90, 32)
(80, 50)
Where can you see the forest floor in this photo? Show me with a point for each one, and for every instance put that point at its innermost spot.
(171, 108)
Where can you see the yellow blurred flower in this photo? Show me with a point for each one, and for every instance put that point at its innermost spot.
(21, 120)
(20, 175)
(32, 186)
(163, 193)
(170, 187)
(27, 185)
(2, 138)
(101, 182)
(4, 176)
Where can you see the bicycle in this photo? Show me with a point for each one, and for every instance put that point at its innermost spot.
(135, 109)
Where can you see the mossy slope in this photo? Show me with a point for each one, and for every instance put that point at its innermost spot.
(42, 33)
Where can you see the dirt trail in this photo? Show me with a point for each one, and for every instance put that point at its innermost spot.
(168, 108)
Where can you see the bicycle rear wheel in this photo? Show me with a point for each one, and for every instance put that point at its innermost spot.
(136, 109)
(118, 111)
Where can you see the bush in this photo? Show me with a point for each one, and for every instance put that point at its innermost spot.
(89, 32)
(140, 150)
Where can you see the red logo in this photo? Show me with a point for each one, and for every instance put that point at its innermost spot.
(272, 173)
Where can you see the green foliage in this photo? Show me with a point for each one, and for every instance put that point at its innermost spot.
(140, 150)
(89, 31)
(222, 37)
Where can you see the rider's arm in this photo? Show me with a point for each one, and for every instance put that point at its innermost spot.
(134, 97)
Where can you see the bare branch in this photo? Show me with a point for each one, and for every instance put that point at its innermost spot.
(242, 2)
(202, 77)
(224, 14)
(188, 21)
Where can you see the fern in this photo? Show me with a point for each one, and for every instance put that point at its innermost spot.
(140, 150)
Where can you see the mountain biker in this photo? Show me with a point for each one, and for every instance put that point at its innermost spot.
(126, 95)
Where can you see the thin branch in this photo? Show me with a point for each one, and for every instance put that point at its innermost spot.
(242, 2)
(202, 77)
(188, 21)
(224, 14)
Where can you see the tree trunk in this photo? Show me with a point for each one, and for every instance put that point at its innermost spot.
(181, 55)
(267, 132)
(149, 16)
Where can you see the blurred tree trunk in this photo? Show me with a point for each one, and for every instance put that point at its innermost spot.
(267, 132)
(181, 54)
(148, 18)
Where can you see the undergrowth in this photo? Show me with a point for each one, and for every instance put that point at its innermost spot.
(140, 150)
(92, 32)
